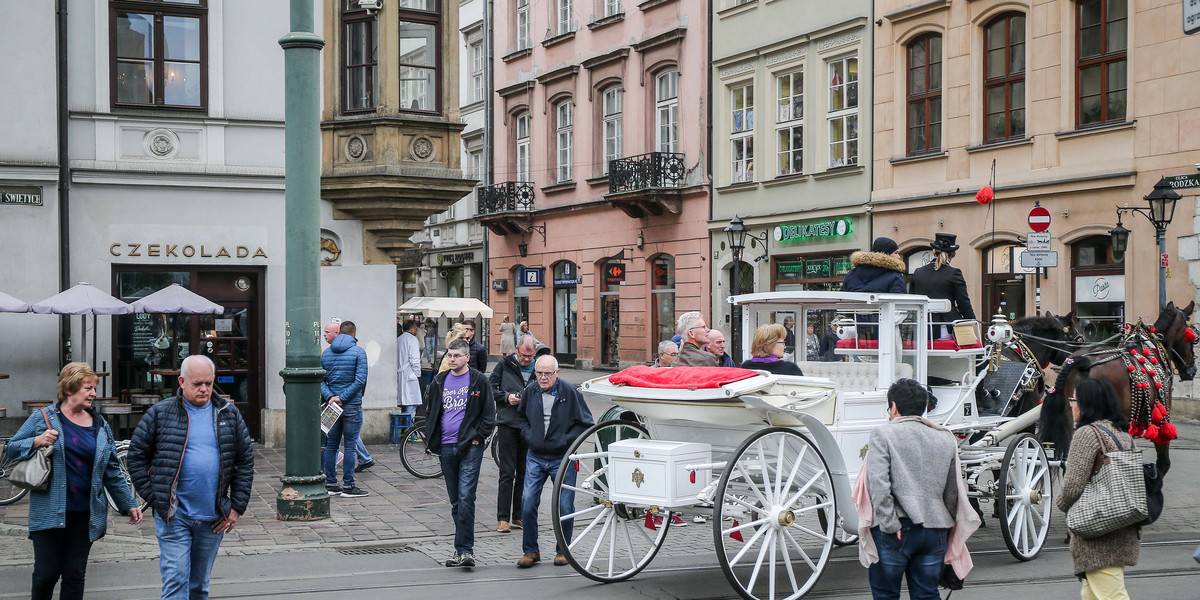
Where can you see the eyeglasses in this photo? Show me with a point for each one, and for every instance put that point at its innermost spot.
(670, 353)
(523, 355)
(1072, 400)
(541, 375)
(704, 327)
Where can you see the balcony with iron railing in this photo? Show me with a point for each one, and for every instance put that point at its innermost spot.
(505, 208)
(647, 184)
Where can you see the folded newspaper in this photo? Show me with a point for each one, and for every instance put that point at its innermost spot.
(329, 416)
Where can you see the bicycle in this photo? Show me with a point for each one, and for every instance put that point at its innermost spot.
(419, 460)
(122, 452)
(9, 493)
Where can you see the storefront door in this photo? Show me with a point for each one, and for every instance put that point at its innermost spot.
(1005, 297)
(566, 303)
(610, 318)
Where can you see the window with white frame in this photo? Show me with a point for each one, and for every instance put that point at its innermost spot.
(475, 164)
(450, 212)
(611, 124)
(477, 72)
(741, 133)
(522, 150)
(843, 112)
(523, 40)
(564, 16)
(613, 7)
(564, 119)
(666, 111)
(789, 122)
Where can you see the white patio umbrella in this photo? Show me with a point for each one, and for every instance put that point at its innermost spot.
(10, 304)
(83, 299)
(177, 299)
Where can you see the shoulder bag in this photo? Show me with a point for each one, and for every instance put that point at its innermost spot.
(1114, 497)
(33, 474)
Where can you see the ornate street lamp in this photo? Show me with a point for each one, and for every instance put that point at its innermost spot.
(737, 239)
(523, 248)
(1160, 212)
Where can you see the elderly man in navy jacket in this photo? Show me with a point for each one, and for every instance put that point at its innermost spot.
(552, 415)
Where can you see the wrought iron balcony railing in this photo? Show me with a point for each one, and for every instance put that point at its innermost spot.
(510, 196)
(646, 171)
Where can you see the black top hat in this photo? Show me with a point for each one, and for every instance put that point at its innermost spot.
(945, 242)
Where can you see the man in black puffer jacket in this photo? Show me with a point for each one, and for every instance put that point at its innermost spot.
(191, 458)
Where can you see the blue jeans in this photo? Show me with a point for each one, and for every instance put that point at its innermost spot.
(346, 428)
(187, 550)
(462, 478)
(360, 452)
(919, 555)
(537, 471)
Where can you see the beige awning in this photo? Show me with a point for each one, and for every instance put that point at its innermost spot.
(460, 308)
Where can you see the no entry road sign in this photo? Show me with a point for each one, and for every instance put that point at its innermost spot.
(1039, 219)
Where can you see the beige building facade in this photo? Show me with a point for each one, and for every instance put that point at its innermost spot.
(1076, 106)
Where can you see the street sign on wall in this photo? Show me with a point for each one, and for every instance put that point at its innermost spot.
(1039, 219)
(1036, 260)
(1190, 180)
(1191, 16)
(1038, 241)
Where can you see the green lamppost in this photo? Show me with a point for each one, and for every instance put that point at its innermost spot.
(303, 497)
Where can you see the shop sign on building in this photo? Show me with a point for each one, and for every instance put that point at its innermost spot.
(25, 196)
(788, 270)
(614, 273)
(841, 266)
(455, 258)
(532, 277)
(813, 230)
(918, 259)
(816, 268)
(1100, 288)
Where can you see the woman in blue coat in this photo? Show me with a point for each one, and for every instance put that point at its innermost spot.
(66, 519)
(881, 270)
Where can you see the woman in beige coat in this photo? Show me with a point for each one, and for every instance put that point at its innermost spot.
(508, 337)
(1099, 562)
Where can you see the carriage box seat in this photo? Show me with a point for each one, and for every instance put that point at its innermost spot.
(856, 344)
(851, 376)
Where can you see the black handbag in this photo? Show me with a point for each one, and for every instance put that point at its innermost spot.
(949, 579)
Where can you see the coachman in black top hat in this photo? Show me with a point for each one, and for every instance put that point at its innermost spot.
(940, 280)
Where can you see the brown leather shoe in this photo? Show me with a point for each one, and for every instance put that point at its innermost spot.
(528, 559)
(560, 560)
(503, 527)
(516, 523)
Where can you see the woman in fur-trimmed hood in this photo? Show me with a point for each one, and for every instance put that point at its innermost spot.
(879, 270)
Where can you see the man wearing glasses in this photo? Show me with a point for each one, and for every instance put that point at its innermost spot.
(694, 334)
(479, 354)
(552, 415)
(667, 351)
(512, 375)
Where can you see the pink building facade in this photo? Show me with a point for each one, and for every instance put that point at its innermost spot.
(598, 222)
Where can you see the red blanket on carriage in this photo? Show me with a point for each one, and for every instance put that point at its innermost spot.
(680, 378)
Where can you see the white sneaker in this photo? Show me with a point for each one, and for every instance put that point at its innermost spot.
(699, 519)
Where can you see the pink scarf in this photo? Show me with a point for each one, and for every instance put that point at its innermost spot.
(966, 521)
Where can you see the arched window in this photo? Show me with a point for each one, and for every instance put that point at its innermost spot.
(925, 94)
(1098, 287)
(1004, 78)
(522, 146)
(666, 111)
(662, 297)
(564, 139)
(611, 120)
(1101, 76)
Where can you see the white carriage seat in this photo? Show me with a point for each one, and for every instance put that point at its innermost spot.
(851, 376)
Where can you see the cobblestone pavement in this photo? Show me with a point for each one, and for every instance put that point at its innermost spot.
(404, 514)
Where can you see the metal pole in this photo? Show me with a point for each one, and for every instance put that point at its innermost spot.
(736, 321)
(303, 496)
(1162, 271)
(1037, 292)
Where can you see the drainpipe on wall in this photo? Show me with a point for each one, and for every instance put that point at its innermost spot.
(64, 177)
(487, 146)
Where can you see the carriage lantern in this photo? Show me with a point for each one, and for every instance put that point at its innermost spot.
(1160, 212)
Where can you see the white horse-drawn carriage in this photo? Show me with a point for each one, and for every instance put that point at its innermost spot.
(773, 457)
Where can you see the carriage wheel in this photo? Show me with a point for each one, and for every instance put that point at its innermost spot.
(841, 537)
(1026, 499)
(610, 541)
(769, 524)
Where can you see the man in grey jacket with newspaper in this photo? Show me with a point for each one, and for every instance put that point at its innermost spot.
(912, 480)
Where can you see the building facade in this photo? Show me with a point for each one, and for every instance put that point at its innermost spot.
(598, 213)
(174, 155)
(799, 174)
(1077, 106)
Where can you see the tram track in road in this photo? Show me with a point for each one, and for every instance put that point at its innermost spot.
(649, 582)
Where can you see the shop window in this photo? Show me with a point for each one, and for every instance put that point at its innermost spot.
(1100, 75)
(420, 71)
(789, 122)
(925, 94)
(818, 271)
(662, 295)
(741, 135)
(360, 57)
(1098, 288)
(159, 53)
(666, 111)
(610, 315)
(843, 112)
(1004, 78)
(1003, 287)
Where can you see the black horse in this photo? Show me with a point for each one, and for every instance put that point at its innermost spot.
(1050, 339)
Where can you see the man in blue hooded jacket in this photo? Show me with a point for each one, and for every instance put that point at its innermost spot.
(345, 365)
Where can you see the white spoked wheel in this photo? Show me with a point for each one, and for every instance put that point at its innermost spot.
(1025, 494)
(604, 540)
(769, 523)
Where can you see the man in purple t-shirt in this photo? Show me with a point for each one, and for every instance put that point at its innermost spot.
(461, 417)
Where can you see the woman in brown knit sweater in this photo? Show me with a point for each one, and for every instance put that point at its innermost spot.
(1100, 562)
